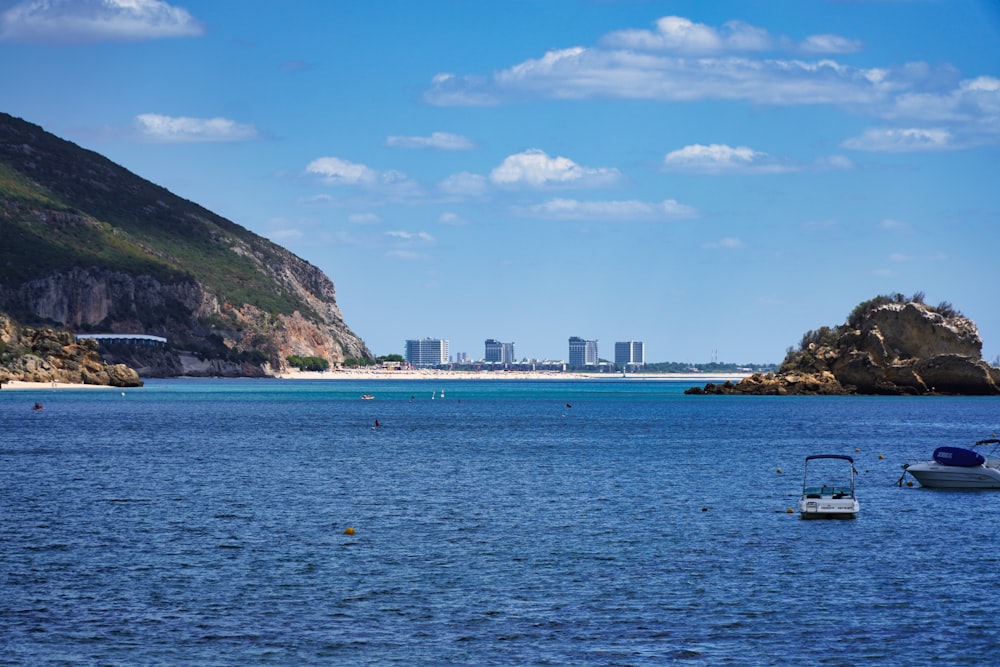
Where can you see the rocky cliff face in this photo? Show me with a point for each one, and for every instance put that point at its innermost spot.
(206, 335)
(90, 247)
(47, 355)
(892, 347)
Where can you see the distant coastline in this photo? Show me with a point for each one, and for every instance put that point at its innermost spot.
(436, 374)
(432, 374)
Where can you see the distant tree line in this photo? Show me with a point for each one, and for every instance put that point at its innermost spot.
(308, 363)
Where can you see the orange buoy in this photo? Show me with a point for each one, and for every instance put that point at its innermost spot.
(349, 531)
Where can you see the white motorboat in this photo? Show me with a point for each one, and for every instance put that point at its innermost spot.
(827, 493)
(959, 468)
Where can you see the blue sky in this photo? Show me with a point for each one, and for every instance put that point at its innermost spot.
(712, 178)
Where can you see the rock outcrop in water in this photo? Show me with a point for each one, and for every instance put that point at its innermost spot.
(889, 345)
(46, 355)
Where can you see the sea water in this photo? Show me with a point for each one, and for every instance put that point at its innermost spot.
(602, 522)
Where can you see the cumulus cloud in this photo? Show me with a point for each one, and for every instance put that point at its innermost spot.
(675, 33)
(536, 169)
(579, 73)
(680, 60)
(444, 141)
(75, 21)
(180, 129)
(720, 158)
(609, 211)
(340, 172)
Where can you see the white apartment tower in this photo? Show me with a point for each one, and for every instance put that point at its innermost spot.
(427, 352)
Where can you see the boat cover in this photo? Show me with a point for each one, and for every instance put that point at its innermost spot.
(958, 456)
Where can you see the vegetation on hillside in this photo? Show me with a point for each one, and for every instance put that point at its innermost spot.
(802, 356)
(63, 207)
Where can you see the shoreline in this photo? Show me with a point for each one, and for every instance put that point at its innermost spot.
(433, 374)
(22, 385)
(424, 374)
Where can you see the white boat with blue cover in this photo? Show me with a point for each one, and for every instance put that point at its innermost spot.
(827, 489)
(959, 468)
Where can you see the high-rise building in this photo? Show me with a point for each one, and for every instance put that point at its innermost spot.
(582, 352)
(499, 353)
(427, 352)
(630, 353)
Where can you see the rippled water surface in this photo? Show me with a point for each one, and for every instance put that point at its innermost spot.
(608, 522)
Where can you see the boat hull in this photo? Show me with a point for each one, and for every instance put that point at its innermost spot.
(829, 508)
(933, 475)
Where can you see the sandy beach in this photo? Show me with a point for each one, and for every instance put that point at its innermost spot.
(15, 385)
(435, 374)
(432, 374)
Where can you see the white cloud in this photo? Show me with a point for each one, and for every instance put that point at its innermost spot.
(440, 140)
(418, 237)
(449, 218)
(726, 243)
(180, 129)
(609, 211)
(720, 158)
(340, 172)
(675, 33)
(901, 140)
(680, 60)
(465, 184)
(834, 162)
(830, 44)
(579, 73)
(74, 21)
(535, 168)
(363, 219)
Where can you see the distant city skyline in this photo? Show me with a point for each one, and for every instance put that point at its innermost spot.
(715, 179)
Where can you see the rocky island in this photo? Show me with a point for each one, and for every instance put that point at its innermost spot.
(889, 345)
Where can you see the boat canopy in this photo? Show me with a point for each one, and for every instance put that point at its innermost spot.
(843, 457)
(958, 457)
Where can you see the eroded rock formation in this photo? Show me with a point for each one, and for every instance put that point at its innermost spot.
(888, 346)
(47, 355)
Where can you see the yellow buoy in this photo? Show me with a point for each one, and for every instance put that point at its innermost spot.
(349, 531)
(909, 483)
(779, 471)
(880, 457)
(789, 511)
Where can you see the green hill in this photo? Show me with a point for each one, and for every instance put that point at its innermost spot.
(90, 246)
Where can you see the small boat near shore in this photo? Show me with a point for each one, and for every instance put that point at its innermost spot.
(959, 467)
(367, 397)
(827, 494)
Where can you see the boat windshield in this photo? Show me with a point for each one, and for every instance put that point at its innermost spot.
(989, 441)
(829, 475)
(828, 490)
